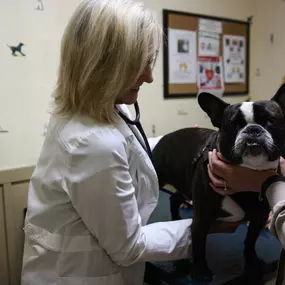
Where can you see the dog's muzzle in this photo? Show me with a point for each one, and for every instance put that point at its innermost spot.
(253, 140)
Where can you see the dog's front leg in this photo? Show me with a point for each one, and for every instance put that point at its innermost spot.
(257, 220)
(206, 205)
(200, 228)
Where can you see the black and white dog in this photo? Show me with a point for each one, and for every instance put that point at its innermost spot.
(250, 134)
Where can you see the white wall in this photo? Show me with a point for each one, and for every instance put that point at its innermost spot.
(27, 82)
(266, 56)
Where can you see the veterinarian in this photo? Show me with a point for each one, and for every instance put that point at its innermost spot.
(228, 179)
(94, 186)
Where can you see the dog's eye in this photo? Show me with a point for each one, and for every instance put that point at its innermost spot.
(272, 120)
(232, 125)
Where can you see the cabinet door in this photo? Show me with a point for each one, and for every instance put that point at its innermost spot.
(15, 196)
(4, 275)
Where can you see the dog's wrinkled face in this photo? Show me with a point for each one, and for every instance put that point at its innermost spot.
(250, 133)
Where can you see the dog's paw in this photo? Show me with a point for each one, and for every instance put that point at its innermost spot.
(202, 274)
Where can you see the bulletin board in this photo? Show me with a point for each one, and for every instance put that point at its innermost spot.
(174, 20)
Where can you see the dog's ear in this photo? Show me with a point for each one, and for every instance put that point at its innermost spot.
(213, 106)
(279, 97)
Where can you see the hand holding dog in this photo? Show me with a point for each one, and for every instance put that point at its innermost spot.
(228, 179)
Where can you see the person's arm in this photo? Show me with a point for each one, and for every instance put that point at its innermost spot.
(275, 194)
(101, 190)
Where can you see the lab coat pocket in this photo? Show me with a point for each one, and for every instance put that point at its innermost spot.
(115, 279)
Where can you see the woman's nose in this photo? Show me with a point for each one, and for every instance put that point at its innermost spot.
(147, 75)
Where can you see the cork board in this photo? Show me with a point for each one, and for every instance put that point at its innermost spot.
(190, 22)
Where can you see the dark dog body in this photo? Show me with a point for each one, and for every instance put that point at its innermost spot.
(175, 165)
(245, 138)
(185, 168)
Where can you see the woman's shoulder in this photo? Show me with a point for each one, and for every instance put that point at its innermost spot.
(84, 135)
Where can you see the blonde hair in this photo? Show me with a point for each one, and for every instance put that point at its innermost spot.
(107, 44)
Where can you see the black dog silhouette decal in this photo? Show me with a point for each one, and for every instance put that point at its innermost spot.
(40, 5)
(16, 49)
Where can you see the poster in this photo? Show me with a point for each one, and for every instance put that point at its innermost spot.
(234, 59)
(210, 26)
(182, 56)
(209, 44)
(210, 73)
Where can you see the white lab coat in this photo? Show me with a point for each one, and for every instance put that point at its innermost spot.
(89, 201)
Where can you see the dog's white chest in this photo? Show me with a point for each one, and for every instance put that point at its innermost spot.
(233, 209)
(259, 162)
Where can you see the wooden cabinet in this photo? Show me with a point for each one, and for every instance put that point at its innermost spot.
(4, 273)
(14, 186)
(15, 202)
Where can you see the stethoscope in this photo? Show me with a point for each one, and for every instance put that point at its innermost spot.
(136, 122)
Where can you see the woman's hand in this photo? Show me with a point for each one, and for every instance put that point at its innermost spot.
(228, 179)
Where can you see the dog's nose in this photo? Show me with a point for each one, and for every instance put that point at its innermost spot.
(254, 130)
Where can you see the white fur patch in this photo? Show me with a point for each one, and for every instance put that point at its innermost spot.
(231, 207)
(259, 162)
(247, 110)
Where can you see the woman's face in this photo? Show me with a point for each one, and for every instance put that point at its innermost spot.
(130, 97)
